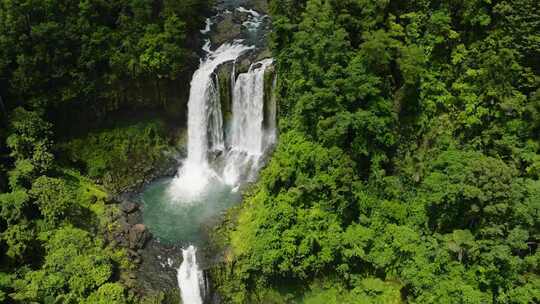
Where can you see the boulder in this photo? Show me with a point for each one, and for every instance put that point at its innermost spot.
(225, 30)
(138, 236)
(129, 207)
(134, 218)
(120, 239)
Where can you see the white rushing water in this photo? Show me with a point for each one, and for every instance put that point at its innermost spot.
(247, 138)
(204, 119)
(190, 278)
(246, 144)
(254, 19)
(239, 152)
(207, 27)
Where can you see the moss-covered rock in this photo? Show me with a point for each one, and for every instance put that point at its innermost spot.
(124, 156)
(260, 6)
(224, 74)
(270, 107)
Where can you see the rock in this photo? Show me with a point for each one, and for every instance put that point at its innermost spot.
(261, 6)
(131, 283)
(115, 216)
(225, 30)
(120, 239)
(123, 225)
(129, 207)
(138, 236)
(132, 254)
(134, 218)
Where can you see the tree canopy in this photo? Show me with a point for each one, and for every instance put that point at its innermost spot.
(407, 166)
(61, 61)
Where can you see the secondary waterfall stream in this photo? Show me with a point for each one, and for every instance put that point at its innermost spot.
(223, 151)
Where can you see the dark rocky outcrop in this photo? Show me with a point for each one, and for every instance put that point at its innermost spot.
(226, 30)
(155, 264)
(129, 207)
(138, 235)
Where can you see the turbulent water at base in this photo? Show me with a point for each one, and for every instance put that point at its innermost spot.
(203, 186)
(190, 278)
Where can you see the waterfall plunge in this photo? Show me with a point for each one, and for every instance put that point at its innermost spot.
(248, 139)
(245, 146)
(243, 149)
(204, 118)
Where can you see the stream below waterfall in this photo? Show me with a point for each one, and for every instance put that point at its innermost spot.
(226, 145)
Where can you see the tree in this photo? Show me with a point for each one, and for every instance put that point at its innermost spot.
(52, 197)
(75, 266)
(30, 139)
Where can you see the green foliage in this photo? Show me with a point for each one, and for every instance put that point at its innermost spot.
(52, 197)
(163, 53)
(13, 205)
(64, 67)
(44, 257)
(119, 156)
(367, 291)
(5, 283)
(407, 166)
(18, 239)
(110, 293)
(47, 259)
(309, 213)
(30, 140)
(66, 58)
(74, 266)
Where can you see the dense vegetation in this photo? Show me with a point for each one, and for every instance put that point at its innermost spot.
(67, 56)
(408, 164)
(121, 156)
(64, 64)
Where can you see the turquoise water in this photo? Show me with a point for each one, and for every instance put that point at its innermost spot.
(177, 222)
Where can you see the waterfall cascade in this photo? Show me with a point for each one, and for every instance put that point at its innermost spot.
(248, 139)
(239, 151)
(204, 119)
(243, 147)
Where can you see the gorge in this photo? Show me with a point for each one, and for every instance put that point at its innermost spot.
(230, 131)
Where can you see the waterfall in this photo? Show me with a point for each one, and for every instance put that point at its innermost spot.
(248, 137)
(204, 119)
(190, 278)
(245, 146)
(271, 119)
(238, 154)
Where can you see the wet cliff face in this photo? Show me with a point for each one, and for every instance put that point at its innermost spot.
(169, 95)
(224, 73)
